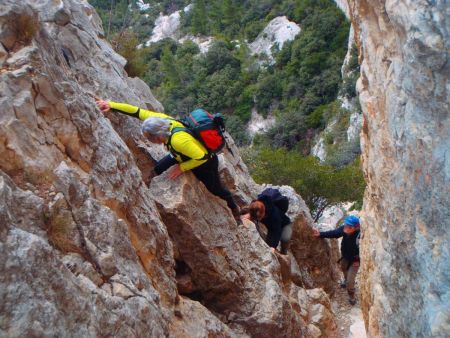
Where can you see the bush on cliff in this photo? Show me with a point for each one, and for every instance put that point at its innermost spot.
(319, 185)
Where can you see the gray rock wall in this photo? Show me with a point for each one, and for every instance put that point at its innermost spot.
(404, 92)
(343, 5)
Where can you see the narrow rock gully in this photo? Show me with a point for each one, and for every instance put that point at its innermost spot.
(349, 318)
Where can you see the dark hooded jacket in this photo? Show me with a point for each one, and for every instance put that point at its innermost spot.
(274, 220)
(349, 248)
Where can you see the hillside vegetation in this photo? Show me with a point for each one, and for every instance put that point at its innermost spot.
(299, 89)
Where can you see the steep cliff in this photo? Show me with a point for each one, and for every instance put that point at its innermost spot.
(91, 244)
(343, 6)
(404, 93)
(338, 143)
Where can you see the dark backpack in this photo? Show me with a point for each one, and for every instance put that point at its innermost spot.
(206, 128)
(282, 202)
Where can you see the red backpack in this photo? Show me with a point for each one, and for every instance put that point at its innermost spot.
(205, 127)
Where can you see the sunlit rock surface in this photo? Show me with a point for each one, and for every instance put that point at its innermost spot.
(259, 124)
(276, 33)
(404, 93)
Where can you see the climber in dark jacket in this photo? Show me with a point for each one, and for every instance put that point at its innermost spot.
(277, 222)
(349, 261)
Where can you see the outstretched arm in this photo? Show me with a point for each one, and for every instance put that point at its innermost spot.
(128, 109)
(336, 233)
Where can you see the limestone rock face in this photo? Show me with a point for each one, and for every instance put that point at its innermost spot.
(404, 93)
(309, 251)
(279, 30)
(42, 296)
(343, 5)
(88, 249)
(229, 267)
(194, 320)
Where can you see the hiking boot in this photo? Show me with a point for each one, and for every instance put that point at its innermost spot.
(284, 248)
(237, 215)
(351, 297)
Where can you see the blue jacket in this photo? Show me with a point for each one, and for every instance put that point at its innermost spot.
(274, 220)
(349, 249)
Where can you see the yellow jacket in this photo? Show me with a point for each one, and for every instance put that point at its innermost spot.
(181, 142)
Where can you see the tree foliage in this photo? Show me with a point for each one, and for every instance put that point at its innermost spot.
(319, 185)
(300, 88)
(348, 85)
(125, 44)
(304, 79)
(184, 79)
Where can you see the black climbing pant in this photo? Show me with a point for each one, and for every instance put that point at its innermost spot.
(207, 173)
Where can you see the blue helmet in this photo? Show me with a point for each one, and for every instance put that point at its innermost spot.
(351, 221)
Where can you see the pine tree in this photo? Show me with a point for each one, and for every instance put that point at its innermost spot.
(199, 18)
(169, 67)
(232, 13)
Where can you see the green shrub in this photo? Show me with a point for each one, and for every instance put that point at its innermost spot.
(252, 30)
(267, 91)
(348, 85)
(237, 130)
(328, 138)
(125, 44)
(316, 119)
(154, 75)
(245, 104)
(341, 154)
(319, 185)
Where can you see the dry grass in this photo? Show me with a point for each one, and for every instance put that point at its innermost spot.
(59, 230)
(25, 27)
(38, 178)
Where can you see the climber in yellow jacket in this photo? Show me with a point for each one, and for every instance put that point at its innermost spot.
(186, 152)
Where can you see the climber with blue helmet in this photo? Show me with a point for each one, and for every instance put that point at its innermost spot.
(350, 233)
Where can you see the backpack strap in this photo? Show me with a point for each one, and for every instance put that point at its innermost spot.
(169, 142)
(172, 149)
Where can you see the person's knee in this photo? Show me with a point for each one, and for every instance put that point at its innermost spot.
(158, 170)
(286, 233)
(226, 195)
(272, 238)
(164, 164)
